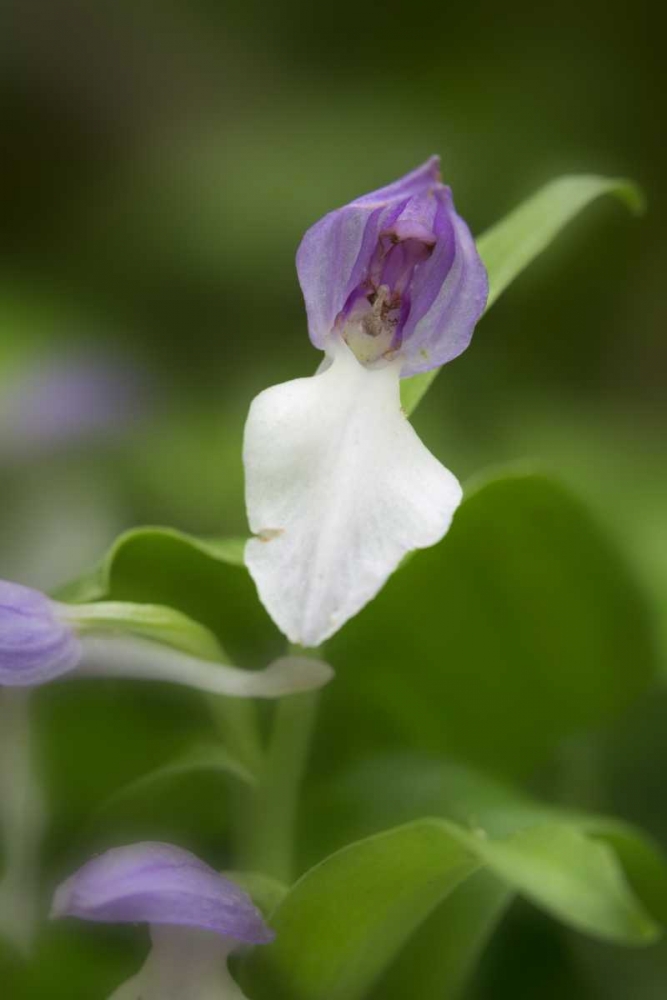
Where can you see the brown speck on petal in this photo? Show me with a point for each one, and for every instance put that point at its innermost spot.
(268, 534)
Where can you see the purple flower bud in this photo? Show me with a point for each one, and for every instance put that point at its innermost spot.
(35, 644)
(160, 884)
(395, 273)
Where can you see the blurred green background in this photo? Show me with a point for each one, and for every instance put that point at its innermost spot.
(160, 164)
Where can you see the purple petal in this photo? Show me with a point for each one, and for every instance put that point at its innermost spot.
(448, 295)
(417, 182)
(399, 264)
(336, 251)
(35, 645)
(160, 884)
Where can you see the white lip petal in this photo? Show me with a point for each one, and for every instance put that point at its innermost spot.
(338, 489)
(141, 659)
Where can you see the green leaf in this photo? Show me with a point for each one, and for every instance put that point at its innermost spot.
(97, 584)
(392, 789)
(205, 580)
(346, 918)
(525, 626)
(642, 859)
(514, 242)
(344, 922)
(573, 877)
(438, 960)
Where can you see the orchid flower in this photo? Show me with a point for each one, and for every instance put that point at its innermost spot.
(42, 639)
(196, 917)
(338, 485)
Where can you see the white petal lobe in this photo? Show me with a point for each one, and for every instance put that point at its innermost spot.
(338, 488)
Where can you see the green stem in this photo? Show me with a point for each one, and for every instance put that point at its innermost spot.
(237, 722)
(277, 796)
(264, 817)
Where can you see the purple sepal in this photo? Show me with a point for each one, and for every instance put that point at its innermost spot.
(402, 263)
(35, 645)
(160, 884)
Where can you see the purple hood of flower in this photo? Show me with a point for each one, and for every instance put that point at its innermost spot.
(35, 645)
(399, 264)
(160, 884)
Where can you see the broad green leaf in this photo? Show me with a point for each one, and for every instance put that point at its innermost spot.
(574, 878)
(345, 919)
(525, 626)
(514, 242)
(96, 585)
(205, 580)
(344, 922)
(642, 859)
(393, 788)
(438, 960)
(379, 792)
